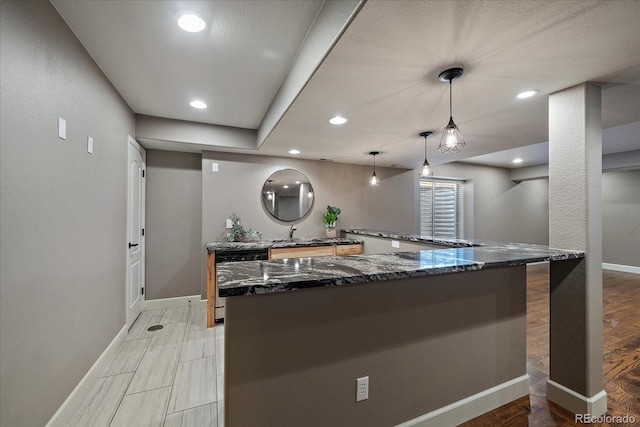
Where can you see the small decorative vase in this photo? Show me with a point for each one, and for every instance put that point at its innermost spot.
(238, 237)
(331, 232)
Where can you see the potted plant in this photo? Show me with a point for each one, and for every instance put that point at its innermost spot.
(329, 220)
(238, 233)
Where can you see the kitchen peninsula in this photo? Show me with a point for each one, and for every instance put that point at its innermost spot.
(440, 334)
(266, 250)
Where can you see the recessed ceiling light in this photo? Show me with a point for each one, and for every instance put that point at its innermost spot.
(337, 120)
(198, 104)
(517, 160)
(294, 151)
(526, 94)
(297, 182)
(191, 23)
(285, 186)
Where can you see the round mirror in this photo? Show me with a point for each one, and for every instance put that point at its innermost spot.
(287, 195)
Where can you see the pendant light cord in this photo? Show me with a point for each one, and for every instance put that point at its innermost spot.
(450, 100)
(425, 148)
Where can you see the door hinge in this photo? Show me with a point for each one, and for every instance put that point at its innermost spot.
(142, 289)
(143, 231)
(143, 173)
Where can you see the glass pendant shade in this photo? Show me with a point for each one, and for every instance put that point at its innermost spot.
(426, 169)
(451, 141)
(374, 181)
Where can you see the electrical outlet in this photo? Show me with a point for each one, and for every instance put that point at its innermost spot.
(362, 389)
(90, 145)
(214, 167)
(395, 244)
(229, 224)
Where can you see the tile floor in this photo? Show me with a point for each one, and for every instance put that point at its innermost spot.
(172, 377)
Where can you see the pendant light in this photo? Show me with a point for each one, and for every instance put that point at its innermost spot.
(269, 193)
(374, 181)
(426, 168)
(451, 141)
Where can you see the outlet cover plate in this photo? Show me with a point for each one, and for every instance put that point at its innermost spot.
(362, 389)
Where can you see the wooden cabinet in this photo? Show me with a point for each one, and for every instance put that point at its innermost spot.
(301, 252)
(349, 249)
(313, 251)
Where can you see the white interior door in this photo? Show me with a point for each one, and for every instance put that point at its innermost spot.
(135, 231)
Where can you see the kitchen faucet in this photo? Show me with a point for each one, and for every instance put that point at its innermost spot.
(291, 230)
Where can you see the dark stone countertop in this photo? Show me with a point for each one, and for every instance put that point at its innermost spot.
(259, 277)
(278, 243)
(454, 243)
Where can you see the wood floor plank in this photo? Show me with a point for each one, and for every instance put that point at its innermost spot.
(621, 326)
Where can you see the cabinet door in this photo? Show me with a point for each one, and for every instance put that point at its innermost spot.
(349, 249)
(301, 252)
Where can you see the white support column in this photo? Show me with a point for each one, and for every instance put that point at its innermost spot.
(575, 222)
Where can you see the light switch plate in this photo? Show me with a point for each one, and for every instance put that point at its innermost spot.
(62, 128)
(90, 145)
(214, 167)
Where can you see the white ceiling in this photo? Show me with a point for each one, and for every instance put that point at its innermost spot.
(236, 65)
(382, 74)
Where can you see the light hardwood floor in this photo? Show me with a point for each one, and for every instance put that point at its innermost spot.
(172, 377)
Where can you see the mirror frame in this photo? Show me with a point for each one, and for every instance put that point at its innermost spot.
(269, 204)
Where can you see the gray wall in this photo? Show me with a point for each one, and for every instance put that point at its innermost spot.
(237, 186)
(62, 216)
(502, 210)
(508, 211)
(621, 217)
(174, 221)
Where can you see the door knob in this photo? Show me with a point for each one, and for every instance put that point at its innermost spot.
(133, 245)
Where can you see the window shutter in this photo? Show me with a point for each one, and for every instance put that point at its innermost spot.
(441, 209)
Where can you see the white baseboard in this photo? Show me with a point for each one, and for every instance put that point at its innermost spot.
(66, 410)
(473, 406)
(621, 267)
(575, 402)
(155, 304)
